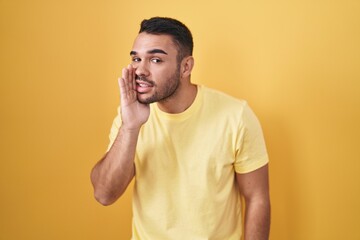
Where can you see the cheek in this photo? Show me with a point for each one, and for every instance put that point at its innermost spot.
(164, 72)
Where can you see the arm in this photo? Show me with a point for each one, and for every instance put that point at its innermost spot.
(113, 173)
(254, 187)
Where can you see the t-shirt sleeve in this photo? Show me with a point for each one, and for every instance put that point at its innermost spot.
(114, 129)
(251, 152)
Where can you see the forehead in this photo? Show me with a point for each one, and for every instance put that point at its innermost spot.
(145, 42)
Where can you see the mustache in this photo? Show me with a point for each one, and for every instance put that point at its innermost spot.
(144, 79)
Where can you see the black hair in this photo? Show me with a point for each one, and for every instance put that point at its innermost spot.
(181, 35)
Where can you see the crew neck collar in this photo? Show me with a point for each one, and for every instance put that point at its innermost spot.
(185, 114)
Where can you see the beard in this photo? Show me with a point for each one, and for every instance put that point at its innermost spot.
(162, 93)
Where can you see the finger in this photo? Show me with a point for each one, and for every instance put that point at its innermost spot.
(132, 77)
(129, 83)
(121, 86)
(121, 81)
(124, 89)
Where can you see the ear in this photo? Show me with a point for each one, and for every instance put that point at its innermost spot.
(187, 65)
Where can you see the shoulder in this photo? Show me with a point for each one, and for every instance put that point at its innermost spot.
(216, 99)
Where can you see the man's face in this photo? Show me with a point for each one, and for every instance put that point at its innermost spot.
(157, 70)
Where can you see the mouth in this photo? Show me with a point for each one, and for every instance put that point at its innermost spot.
(143, 86)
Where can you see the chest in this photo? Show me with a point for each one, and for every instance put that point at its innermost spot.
(198, 148)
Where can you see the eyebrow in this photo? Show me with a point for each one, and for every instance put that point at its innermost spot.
(150, 52)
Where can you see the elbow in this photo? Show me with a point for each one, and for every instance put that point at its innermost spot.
(100, 194)
(105, 193)
(104, 199)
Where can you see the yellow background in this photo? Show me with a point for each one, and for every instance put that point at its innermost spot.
(296, 62)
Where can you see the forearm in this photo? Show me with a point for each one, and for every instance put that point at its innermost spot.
(257, 220)
(113, 173)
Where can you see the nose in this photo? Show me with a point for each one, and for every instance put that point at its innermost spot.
(141, 69)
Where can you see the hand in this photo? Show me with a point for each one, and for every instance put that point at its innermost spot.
(133, 113)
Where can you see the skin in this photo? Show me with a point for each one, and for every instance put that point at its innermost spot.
(254, 187)
(155, 75)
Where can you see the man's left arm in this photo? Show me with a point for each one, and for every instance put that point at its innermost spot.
(254, 187)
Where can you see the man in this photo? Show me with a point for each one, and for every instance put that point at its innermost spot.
(192, 152)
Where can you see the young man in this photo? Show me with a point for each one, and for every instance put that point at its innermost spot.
(192, 152)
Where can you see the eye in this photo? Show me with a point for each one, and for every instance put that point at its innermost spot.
(156, 60)
(136, 59)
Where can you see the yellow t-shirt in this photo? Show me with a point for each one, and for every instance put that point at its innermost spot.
(185, 185)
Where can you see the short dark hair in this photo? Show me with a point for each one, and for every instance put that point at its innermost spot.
(181, 35)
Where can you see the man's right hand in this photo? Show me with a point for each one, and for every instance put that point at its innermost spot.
(133, 113)
(113, 173)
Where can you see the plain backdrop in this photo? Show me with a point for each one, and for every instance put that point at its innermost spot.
(297, 63)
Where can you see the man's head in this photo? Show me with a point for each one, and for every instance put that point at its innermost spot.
(180, 34)
(162, 59)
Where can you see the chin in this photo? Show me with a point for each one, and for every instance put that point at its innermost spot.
(142, 98)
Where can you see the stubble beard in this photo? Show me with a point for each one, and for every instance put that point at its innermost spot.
(166, 93)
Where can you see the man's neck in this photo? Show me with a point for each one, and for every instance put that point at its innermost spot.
(183, 99)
